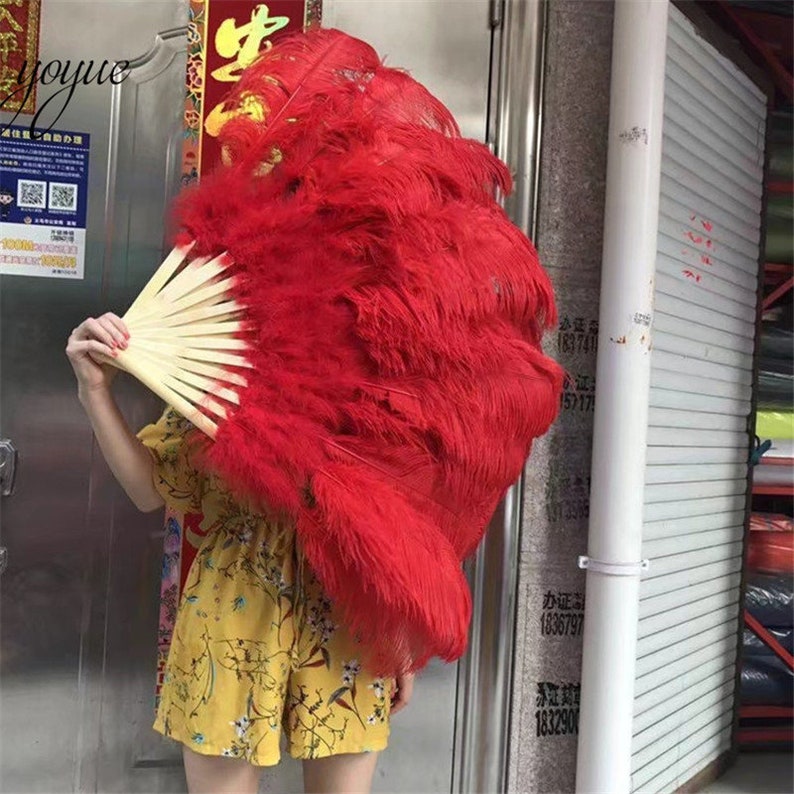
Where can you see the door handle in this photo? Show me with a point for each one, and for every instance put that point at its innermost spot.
(8, 467)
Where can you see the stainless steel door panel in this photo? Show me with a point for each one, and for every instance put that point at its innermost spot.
(82, 568)
(144, 149)
(445, 44)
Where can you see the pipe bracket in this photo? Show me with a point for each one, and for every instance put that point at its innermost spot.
(614, 568)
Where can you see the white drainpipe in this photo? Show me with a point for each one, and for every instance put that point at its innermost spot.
(622, 390)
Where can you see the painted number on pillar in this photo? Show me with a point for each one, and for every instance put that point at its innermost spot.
(557, 712)
(562, 615)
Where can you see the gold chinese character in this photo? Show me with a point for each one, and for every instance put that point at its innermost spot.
(8, 80)
(5, 16)
(243, 43)
(78, 139)
(8, 44)
(56, 137)
(217, 117)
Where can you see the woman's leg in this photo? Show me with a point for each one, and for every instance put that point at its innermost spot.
(212, 774)
(348, 773)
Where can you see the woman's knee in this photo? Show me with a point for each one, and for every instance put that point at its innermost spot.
(212, 774)
(346, 773)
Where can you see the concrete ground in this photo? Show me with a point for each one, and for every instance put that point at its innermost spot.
(757, 773)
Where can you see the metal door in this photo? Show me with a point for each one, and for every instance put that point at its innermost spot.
(79, 610)
(79, 597)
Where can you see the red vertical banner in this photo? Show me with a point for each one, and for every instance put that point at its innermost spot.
(224, 36)
(19, 52)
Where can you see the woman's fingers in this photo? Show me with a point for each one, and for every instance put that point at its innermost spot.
(93, 329)
(404, 687)
(82, 347)
(91, 347)
(110, 323)
(103, 330)
(117, 323)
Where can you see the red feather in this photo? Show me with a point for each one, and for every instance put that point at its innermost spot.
(398, 379)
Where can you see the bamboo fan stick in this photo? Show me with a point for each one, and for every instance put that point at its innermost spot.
(179, 382)
(211, 371)
(185, 390)
(194, 276)
(205, 296)
(180, 369)
(161, 276)
(199, 329)
(179, 342)
(149, 379)
(218, 312)
(186, 351)
(172, 378)
(207, 385)
(185, 338)
(141, 307)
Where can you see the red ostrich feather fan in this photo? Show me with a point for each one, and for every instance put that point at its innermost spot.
(397, 376)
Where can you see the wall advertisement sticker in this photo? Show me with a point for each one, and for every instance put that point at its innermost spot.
(43, 203)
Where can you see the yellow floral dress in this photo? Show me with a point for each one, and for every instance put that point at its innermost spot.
(257, 649)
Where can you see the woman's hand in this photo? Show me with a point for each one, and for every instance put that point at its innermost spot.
(105, 334)
(404, 687)
(128, 459)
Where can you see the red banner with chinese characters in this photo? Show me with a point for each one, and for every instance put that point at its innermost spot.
(19, 50)
(224, 36)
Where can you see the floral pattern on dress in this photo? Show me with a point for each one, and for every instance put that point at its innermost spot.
(257, 648)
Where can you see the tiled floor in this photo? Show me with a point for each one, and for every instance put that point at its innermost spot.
(757, 773)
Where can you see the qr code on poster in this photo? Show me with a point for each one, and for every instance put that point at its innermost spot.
(31, 193)
(63, 196)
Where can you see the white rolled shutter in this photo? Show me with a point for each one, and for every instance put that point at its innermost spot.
(701, 384)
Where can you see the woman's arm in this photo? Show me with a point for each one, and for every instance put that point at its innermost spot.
(131, 463)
